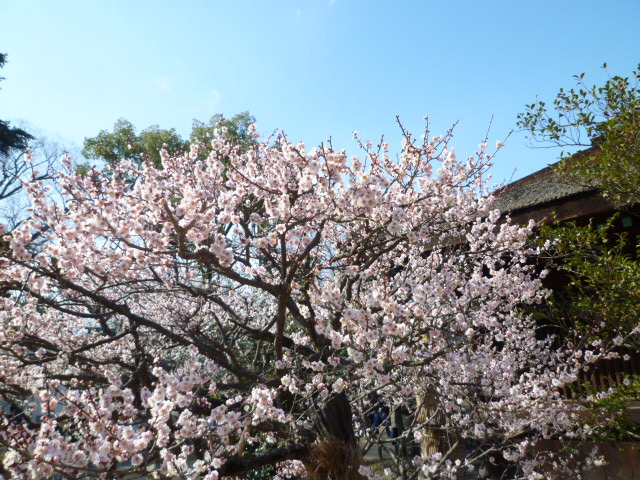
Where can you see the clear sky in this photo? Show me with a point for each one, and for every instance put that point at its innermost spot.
(313, 68)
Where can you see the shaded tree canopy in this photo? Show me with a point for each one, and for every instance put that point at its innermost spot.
(11, 138)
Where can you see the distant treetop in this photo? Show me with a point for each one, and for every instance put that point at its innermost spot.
(124, 143)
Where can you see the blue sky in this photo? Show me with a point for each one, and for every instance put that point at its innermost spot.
(313, 68)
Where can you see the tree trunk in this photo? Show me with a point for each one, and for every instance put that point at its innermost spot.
(336, 455)
(429, 414)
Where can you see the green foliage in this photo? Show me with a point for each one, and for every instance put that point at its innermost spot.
(603, 270)
(83, 168)
(602, 296)
(605, 118)
(604, 277)
(615, 407)
(123, 143)
(237, 129)
(11, 138)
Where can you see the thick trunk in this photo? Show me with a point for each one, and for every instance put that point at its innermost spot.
(434, 437)
(335, 419)
(336, 455)
(431, 417)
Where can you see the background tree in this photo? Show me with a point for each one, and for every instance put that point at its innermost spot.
(606, 119)
(237, 129)
(600, 262)
(602, 266)
(22, 157)
(37, 162)
(11, 138)
(124, 143)
(603, 278)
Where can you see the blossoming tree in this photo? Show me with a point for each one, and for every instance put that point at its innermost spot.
(209, 318)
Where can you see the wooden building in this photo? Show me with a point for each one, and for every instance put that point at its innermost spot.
(545, 196)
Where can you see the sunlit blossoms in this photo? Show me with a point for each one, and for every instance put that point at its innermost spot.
(221, 315)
